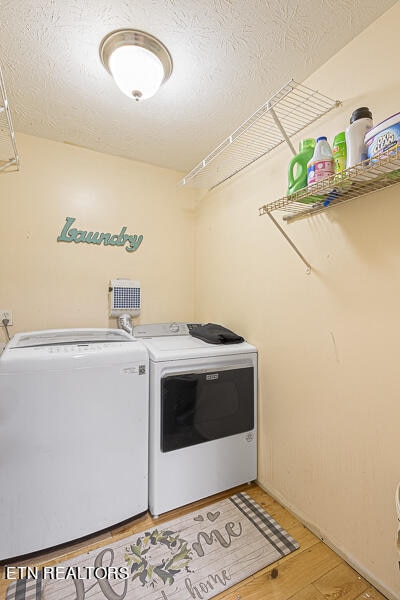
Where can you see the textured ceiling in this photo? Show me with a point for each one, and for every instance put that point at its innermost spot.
(229, 57)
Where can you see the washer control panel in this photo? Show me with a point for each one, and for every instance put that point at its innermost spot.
(163, 329)
(79, 348)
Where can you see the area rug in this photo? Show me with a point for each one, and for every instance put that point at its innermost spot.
(195, 556)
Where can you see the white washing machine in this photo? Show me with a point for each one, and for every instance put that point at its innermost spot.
(73, 436)
(203, 415)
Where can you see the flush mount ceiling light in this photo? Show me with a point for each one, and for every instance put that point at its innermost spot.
(138, 62)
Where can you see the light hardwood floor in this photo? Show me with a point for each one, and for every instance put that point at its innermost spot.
(313, 572)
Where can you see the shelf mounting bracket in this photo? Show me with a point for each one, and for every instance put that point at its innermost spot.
(281, 129)
(308, 270)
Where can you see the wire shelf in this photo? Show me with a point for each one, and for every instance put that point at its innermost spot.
(366, 177)
(9, 159)
(285, 114)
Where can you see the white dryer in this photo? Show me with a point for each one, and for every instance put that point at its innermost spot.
(203, 415)
(73, 436)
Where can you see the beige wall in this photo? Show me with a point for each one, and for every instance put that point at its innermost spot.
(54, 284)
(328, 342)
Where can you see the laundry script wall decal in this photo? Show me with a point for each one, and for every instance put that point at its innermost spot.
(71, 234)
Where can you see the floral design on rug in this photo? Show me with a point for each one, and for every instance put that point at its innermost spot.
(144, 566)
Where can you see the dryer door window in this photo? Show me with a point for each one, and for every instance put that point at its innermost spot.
(204, 406)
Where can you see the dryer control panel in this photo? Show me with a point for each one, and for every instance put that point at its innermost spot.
(163, 329)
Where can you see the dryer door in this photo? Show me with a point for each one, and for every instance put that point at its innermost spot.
(201, 406)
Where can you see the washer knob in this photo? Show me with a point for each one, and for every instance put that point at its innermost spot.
(174, 328)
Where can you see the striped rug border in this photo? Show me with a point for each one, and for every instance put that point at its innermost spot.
(266, 525)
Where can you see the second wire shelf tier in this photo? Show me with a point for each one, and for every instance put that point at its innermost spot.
(9, 160)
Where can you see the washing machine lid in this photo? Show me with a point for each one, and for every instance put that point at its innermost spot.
(185, 346)
(71, 349)
(59, 337)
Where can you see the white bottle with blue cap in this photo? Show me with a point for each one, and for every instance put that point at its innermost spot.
(321, 164)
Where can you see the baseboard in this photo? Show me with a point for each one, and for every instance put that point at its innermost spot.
(323, 537)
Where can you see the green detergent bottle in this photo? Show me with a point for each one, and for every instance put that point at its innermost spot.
(297, 174)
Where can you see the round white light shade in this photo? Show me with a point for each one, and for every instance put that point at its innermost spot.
(136, 71)
(138, 62)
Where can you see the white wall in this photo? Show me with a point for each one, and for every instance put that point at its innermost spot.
(328, 342)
